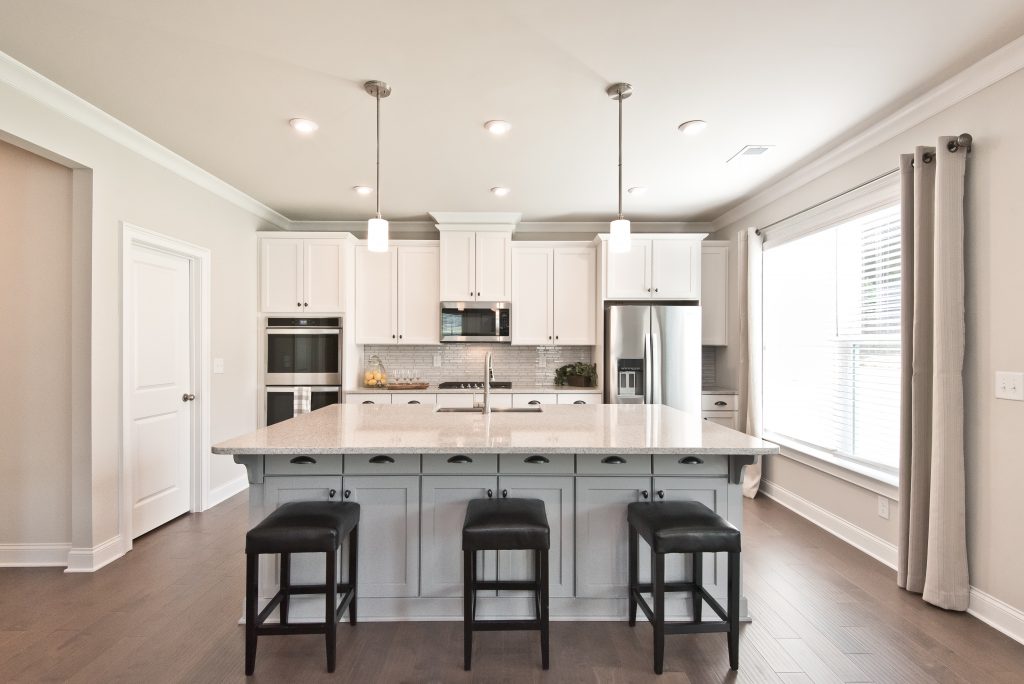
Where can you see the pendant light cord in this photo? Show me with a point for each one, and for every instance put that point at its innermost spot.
(377, 97)
(620, 155)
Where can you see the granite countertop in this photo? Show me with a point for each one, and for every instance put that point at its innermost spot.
(516, 389)
(586, 429)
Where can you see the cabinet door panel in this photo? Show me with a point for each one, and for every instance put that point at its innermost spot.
(443, 512)
(419, 315)
(557, 495)
(675, 269)
(458, 265)
(629, 273)
(602, 535)
(493, 267)
(322, 269)
(389, 533)
(376, 282)
(714, 295)
(280, 275)
(712, 492)
(307, 568)
(532, 296)
(574, 310)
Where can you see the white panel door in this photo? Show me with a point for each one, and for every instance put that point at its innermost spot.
(389, 533)
(493, 267)
(532, 295)
(159, 382)
(458, 266)
(602, 541)
(629, 273)
(557, 495)
(419, 308)
(443, 511)
(376, 300)
(675, 269)
(322, 270)
(574, 311)
(280, 275)
(714, 294)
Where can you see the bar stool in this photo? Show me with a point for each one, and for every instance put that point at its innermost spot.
(683, 527)
(302, 527)
(505, 525)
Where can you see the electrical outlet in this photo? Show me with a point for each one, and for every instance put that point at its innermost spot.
(883, 507)
(1009, 385)
(218, 366)
(437, 360)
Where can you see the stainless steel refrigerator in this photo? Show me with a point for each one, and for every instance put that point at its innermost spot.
(652, 354)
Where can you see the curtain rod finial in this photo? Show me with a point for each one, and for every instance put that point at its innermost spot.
(963, 140)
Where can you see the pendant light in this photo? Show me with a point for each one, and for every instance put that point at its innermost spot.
(620, 240)
(377, 227)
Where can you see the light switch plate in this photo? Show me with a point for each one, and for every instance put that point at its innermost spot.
(883, 507)
(1010, 385)
(218, 366)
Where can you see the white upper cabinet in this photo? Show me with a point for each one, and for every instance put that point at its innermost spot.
(661, 267)
(553, 295)
(714, 293)
(532, 295)
(397, 295)
(575, 283)
(476, 265)
(419, 310)
(302, 275)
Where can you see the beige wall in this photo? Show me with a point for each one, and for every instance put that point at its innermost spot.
(127, 187)
(995, 327)
(35, 349)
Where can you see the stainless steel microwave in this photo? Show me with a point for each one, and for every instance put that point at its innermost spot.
(475, 322)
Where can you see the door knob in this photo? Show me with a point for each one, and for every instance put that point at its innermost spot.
(188, 397)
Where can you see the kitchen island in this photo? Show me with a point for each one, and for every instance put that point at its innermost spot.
(413, 470)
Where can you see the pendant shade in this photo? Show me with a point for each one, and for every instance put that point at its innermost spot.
(619, 240)
(377, 235)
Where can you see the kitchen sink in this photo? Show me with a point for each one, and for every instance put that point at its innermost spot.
(479, 409)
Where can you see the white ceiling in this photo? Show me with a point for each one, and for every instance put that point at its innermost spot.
(217, 82)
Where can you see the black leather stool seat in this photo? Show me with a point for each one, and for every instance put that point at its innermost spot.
(505, 524)
(682, 527)
(304, 527)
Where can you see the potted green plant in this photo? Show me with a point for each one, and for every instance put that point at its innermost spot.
(577, 374)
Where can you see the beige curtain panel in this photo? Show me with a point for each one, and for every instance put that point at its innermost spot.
(933, 540)
(750, 331)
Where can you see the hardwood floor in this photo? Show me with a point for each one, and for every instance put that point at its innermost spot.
(823, 612)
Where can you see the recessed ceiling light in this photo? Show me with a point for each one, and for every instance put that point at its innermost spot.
(304, 126)
(693, 127)
(363, 189)
(501, 191)
(637, 190)
(498, 127)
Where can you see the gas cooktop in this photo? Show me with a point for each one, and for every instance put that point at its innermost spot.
(473, 385)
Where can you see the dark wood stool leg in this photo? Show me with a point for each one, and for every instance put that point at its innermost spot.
(252, 562)
(698, 579)
(286, 583)
(658, 589)
(734, 610)
(467, 608)
(353, 571)
(544, 617)
(331, 605)
(633, 561)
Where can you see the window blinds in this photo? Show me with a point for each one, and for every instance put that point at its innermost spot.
(832, 339)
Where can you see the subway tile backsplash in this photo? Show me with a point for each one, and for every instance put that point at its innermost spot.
(465, 362)
(709, 371)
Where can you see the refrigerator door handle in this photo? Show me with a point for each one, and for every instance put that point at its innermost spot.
(648, 369)
(657, 371)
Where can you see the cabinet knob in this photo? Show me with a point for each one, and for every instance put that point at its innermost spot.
(661, 493)
(348, 493)
(556, 337)
(392, 336)
(305, 304)
(648, 289)
(549, 337)
(477, 294)
(298, 304)
(644, 493)
(504, 493)
(655, 289)
(399, 337)
(490, 493)
(331, 493)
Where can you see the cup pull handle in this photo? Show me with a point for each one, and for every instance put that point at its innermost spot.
(536, 459)
(367, 402)
(460, 459)
(303, 460)
(691, 460)
(534, 402)
(613, 460)
(719, 403)
(382, 459)
(413, 401)
(578, 402)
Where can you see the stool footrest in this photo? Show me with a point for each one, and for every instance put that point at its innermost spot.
(481, 585)
(292, 628)
(317, 588)
(505, 625)
(685, 627)
(674, 587)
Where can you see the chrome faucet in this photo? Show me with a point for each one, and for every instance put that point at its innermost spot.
(488, 375)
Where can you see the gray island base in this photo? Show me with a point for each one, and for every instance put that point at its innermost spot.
(413, 471)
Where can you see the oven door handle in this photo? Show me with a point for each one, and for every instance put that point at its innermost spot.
(303, 331)
(291, 388)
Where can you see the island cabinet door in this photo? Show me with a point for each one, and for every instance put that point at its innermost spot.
(307, 568)
(443, 510)
(557, 495)
(389, 535)
(713, 493)
(602, 542)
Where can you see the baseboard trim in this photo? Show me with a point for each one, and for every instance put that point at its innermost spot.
(876, 547)
(91, 560)
(227, 490)
(997, 614)
(34, 555)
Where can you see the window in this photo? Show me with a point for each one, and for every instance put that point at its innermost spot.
(832, 339)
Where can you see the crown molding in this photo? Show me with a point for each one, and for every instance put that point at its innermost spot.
(34, 85)
(476, 217)
(594, 227)
(1003, 62)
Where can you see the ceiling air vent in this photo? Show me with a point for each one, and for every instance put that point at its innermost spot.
(750, 151)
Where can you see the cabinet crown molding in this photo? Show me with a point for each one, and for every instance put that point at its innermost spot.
(476, 220)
